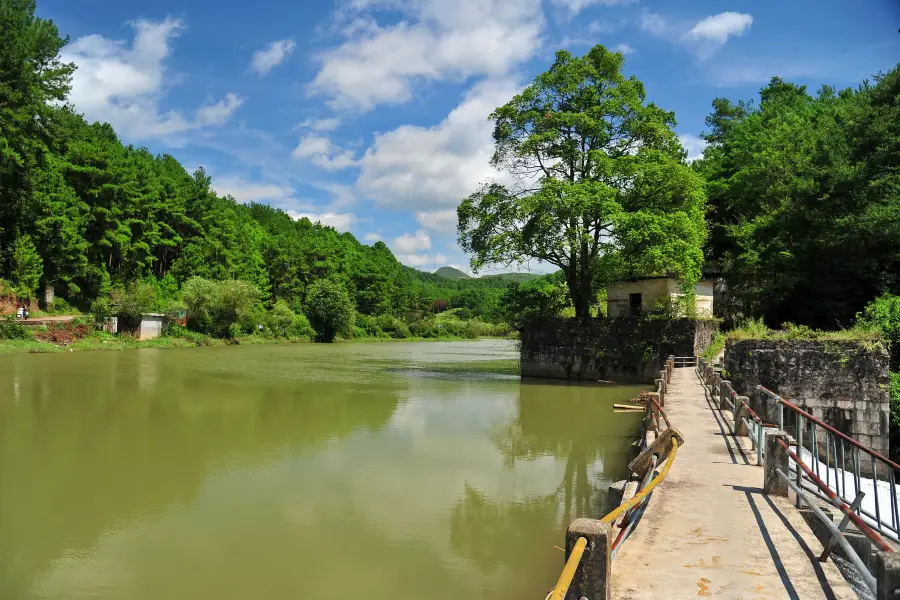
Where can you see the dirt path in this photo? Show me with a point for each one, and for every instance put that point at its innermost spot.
(48, 319)
(709, 531)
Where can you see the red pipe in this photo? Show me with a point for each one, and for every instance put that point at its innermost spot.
(662, 412)
(840, 503)
(822, 423)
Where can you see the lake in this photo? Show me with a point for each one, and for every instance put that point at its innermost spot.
(374, 470)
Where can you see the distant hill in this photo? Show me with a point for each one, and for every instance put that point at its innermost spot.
(451, 273)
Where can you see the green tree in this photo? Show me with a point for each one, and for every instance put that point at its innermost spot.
(27, 267)
(32, 81)
(602, 187)
(329, 309)
(541, 298)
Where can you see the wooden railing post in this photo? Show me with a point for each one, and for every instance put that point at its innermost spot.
(593, 579)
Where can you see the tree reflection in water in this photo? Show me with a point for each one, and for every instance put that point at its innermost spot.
(571, 423)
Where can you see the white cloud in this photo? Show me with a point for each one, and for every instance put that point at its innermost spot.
(340, 221)
(419, 260)
(372, 237)
(439, 40)
(441, 221)
(623, 48)
(433, 168)
(703, 37)
(694, 145)
(412, 242)
(123, 85)
(250, 191)
(219, 112)
(323, 153)
(718, 28)
(271, 56)
(576, 6)
(654, 24)
(329, 124)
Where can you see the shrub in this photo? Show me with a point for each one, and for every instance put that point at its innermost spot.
(101, 311)
(329, 309)
(138, 298)
(393, 327)
(883, 314)
(10, 330)
(281, 321)
(219, 308)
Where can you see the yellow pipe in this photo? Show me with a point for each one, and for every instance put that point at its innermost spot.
(568, 572)
(636, 499)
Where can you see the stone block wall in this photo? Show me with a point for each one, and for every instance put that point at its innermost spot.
(844, 383)
(625, 349)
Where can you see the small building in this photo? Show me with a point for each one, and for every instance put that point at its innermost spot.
(151, 326)
(638, 295)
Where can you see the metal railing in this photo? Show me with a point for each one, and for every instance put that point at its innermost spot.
(633, 508)
(685, 361)
(846, 466)
(824, 492)
(638, 501)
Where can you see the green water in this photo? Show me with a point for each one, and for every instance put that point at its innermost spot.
(369, 471)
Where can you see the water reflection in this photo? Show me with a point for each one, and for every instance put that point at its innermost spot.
(280, 472)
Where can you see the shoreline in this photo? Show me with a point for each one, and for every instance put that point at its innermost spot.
(116, 343)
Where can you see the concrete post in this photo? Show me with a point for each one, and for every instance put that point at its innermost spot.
(724, 393)
(887, 575)
(776, 458)
(740, 428)
(593, 578)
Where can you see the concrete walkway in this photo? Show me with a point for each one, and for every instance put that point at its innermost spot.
(709, 531)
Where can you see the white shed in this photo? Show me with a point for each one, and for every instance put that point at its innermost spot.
(151, 326)
(625, 298)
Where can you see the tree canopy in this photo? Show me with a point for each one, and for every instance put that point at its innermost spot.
(99, 219)
(804, 200)
(597, 182)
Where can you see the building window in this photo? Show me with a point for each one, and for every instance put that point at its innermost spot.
(634, 303)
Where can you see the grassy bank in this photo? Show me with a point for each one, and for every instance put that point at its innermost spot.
(26, 342)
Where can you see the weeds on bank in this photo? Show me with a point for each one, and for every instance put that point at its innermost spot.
(870, 337)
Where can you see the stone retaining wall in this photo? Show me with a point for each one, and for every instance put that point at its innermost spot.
(844, 383)
(625, 349)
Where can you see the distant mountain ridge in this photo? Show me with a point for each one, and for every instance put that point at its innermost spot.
(452, 273)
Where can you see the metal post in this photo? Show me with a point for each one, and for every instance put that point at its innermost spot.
(830, 545)
(837, 535)
(759, 444)
(799, 438)
(593, 579)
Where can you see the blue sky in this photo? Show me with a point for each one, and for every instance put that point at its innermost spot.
(371, 115)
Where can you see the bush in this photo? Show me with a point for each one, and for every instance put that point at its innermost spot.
(220, 308)
(178, 331)
(101, 311)
(393, 327)
(281, 321)
(10, 330)
(138, 298)
(329, 309)
(883, 314)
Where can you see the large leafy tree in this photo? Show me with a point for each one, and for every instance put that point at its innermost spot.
(597, 183)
